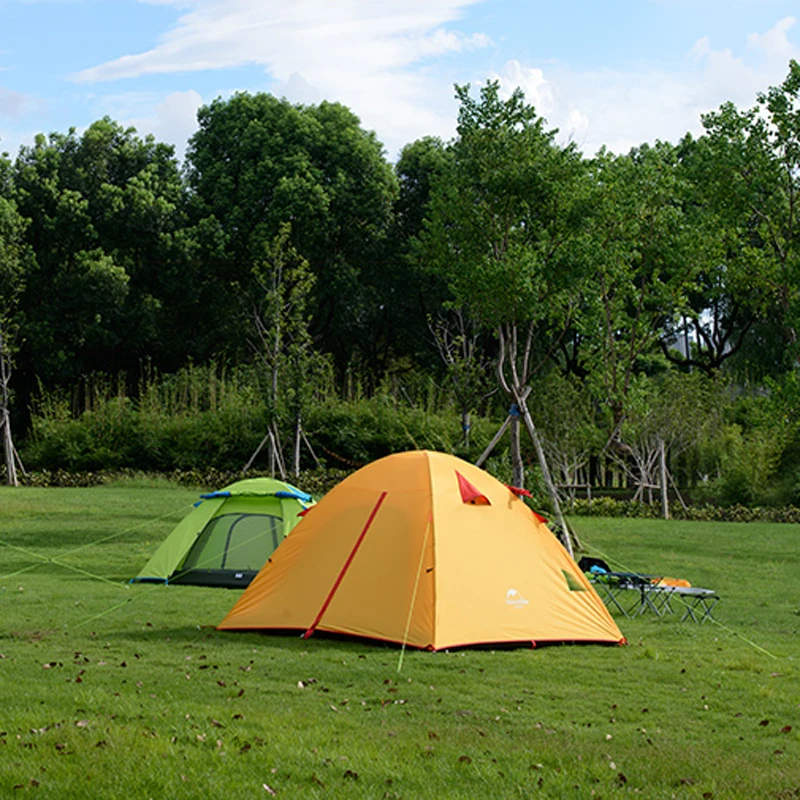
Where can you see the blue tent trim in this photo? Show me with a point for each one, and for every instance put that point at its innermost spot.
(296, 493)
(282, 493)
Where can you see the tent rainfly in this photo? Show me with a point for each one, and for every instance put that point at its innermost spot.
(228, 535)
(424, 549)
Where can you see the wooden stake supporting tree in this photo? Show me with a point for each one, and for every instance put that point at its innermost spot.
(13, 259)
(519, 413)
(9, 453)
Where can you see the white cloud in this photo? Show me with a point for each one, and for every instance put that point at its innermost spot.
(171, 118)
(368, 55)
(387, 62)
(624, 109)
(174, 120)
(775, 43)
(334, 36)
(298, 90)
(13, 104)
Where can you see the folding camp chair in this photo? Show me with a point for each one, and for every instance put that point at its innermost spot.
(699, 603)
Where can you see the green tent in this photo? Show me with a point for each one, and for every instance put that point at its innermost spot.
(229, 535)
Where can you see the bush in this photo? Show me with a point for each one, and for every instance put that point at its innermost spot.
(611, 507)
(352, 434)
(120, 433)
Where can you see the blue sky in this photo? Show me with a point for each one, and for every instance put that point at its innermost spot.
(614, 73)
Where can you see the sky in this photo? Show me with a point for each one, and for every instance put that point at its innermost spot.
(615, 73)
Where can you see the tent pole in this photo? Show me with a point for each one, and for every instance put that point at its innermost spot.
(345, 567)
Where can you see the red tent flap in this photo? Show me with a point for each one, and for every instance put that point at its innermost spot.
(469, 494)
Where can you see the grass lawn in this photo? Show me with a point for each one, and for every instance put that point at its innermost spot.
(109, 690)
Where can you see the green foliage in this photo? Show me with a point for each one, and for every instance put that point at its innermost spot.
(701, 512)
(637, 256)
(113, 261)
(503, 213)
(101, 207)
(257, 162)
(202, 418)
(198, 416)
(282, 324)
(356, 433)
(750, 164)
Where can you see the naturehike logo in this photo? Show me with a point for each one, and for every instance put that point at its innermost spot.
(514, 598)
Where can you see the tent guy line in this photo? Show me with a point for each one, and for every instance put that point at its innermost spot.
(414, 593)
(54, 559)
(126, 586)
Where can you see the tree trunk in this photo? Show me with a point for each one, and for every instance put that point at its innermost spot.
(465, 427)
(663, 469)
(5, 417)
(297, 439)
(567, 534)
(8, 448)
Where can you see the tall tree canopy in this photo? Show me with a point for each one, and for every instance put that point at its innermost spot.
(638, 255)
(100, 208)
(747, 170)
(257, 162)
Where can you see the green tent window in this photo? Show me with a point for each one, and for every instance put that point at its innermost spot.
(234, 542)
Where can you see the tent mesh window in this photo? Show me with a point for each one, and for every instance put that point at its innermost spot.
(232, 542)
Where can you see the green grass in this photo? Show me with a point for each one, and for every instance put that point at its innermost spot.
(109, 690)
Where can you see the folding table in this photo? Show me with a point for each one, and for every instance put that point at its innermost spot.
(613, 587)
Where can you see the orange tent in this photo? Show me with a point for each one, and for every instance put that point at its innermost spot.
(424, 549)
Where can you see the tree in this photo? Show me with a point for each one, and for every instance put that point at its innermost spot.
(570, 434)
(101, 207)
(747, 168)
(666, 416)
(729, 295)
(257, 162)
(284, 344)
(499, 230)
(638, 255)
(412, 297)
(12, 275)
(458, 340)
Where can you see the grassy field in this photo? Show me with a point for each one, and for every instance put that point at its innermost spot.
(109, 690)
